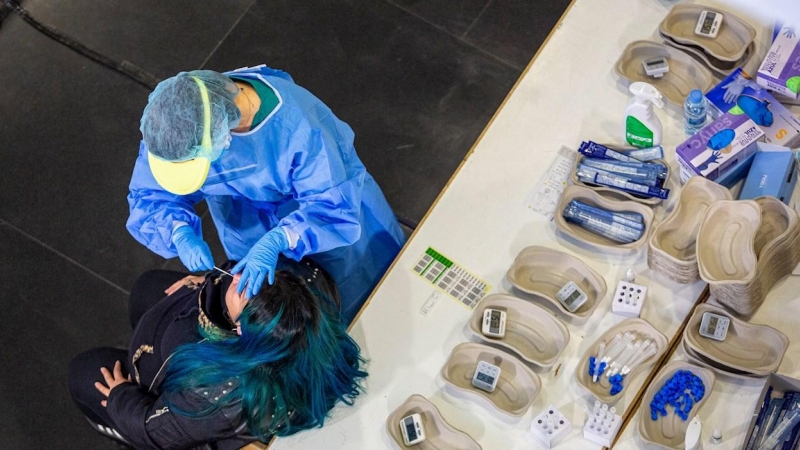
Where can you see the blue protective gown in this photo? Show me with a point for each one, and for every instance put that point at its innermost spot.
(297, 169)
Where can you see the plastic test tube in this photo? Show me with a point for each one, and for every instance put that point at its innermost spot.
(600, 350)
(617, 346)
(644, 356)
(637, 354)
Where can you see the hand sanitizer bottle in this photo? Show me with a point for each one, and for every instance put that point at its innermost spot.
(642, 127)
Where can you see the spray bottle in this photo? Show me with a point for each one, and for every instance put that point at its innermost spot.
(642, 127)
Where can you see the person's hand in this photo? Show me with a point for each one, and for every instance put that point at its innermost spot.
(112, 379)
(189, 280)
(193, 250)
(260, 262)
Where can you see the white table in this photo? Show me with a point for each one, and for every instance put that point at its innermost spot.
(569, 93)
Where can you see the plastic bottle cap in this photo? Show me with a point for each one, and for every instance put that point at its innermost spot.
(696, 96)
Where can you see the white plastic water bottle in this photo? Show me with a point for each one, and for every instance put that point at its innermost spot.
(694, 112)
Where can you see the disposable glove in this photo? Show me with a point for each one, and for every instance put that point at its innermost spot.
(735, 88)
(260, 262)
(192, 250)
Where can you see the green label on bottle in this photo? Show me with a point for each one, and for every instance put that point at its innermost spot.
(637, 134)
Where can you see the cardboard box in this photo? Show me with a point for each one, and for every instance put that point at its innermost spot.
(780, 126)
(736, 173)
(780, 384)
(780, 71)
(718, 147)
(773, 173)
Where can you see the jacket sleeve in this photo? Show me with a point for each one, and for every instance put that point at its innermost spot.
(328, 192)
(154, 211)
(147, 422)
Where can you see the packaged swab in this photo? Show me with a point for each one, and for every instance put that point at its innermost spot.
(632, 220)
(625, 185)
(602, 225)
(633, 169)
(589, 167)
(596, 150)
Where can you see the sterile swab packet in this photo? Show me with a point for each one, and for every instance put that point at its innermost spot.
(625, 185)
(602, 225)
(588, 171)
(622, 218)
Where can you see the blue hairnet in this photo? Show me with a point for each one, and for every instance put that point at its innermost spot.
(172, 122)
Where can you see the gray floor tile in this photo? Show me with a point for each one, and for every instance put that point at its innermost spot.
(416, 98)
(68, 165)
(52, 310)
(513, 30)
(164, 37)
(454, 17)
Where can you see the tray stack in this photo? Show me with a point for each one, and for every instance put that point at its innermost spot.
(748, 350)
(732, 48)
(744, 248)
(672, 246)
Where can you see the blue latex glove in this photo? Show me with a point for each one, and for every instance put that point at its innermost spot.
(261, 261)
(192, 250)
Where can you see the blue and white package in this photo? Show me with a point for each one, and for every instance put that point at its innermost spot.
(589, 168)
(587, 175)
(628, 186)
(595, 150)
(647, 154)
(632, 220)
(637, 169)
(602, 225)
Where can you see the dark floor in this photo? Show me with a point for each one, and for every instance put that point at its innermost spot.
(416, 79)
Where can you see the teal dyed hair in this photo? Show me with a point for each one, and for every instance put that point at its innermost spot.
(293, 361)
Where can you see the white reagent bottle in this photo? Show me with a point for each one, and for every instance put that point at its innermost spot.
(642, 126)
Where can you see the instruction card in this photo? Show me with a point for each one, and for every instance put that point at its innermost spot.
(451, 278)
(545, 196)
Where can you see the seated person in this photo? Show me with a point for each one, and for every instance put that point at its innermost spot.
(207, 368)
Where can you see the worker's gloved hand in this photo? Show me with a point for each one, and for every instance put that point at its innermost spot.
(193, 250)
(260, 262)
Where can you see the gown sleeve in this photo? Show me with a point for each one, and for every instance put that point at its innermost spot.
(154, 212)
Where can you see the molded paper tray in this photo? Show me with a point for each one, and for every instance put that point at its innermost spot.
(672, 247)
(734, 36)
(516, 389)
(725, 241)
(685, 73)
(601, 390)
(700, 360)
(670, 431)
(438, 433)
(616, 194)
(543, 272)
(531, 331)
(721, 68)
(777, 246)
(757, 349)
(593, 198)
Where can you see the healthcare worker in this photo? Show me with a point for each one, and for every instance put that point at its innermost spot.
(278, 172)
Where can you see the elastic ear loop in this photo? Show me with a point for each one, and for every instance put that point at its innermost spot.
(205, 144)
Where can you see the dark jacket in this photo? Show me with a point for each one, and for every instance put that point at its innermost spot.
(140, 410)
